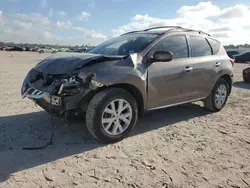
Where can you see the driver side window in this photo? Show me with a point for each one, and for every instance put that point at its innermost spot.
(175, 44)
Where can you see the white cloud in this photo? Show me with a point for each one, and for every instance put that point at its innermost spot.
(61, 14)
(236, 16)
(64, 25)
(229, 25)
(84, 16)
(238, 11)
(43, 3)
(203, 9)
(35, 28)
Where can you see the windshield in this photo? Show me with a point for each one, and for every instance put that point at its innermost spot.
(124, 45)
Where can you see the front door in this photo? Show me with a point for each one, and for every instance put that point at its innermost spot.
(171, 82)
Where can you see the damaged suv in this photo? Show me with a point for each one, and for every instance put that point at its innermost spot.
(116, 82)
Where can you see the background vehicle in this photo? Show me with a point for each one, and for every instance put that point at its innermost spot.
(81, 50)
(27, 49)
(16, 48)
(47, 50)
(63, 50)
(34, 49)
(120, 79)
(232, 54)
(246, 74)
(242, 58)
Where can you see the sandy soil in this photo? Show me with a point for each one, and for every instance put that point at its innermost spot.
(183, 146)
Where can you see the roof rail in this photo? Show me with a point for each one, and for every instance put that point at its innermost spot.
(191, 30)
(161, 27)
(170, 27)
(199, 31)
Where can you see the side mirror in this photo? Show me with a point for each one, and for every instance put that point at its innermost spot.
(162, 56)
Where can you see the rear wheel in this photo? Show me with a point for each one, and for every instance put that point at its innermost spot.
(112, 115)
(218, 97)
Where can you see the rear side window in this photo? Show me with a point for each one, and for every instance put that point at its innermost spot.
(215, 45)
(175, 44)
(200, 46)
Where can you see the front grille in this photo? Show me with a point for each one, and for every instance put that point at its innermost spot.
(34, 92)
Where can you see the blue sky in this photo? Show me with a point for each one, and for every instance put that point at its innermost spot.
(93, 21)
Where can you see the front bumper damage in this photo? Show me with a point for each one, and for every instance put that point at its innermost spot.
(65, 84)
(64, 93)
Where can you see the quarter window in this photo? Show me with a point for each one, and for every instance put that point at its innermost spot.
(215, 45)
(175, 44)
(200, 46)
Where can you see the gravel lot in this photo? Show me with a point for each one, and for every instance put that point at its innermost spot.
(183, 146)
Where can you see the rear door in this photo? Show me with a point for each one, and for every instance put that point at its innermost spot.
(170, 82)
(206, 65)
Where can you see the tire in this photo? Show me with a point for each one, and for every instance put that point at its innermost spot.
(246, 80)
(210, 101)
(95, 113)
(246, 76)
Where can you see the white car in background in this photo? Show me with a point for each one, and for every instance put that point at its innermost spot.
(64, 50)
(47, 50)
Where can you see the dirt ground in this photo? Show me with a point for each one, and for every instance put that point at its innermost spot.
(183, 146)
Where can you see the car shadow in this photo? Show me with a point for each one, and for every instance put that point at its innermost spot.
(242, 85)
(34, 129)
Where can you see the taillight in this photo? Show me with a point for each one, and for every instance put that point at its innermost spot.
(232, 61)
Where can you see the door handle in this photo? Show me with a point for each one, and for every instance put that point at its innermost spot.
(217, 64)
(188, 69)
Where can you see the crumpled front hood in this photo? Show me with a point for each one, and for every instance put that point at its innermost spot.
(65, 63)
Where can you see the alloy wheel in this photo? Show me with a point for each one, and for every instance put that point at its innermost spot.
(116, 117)
(220, 96)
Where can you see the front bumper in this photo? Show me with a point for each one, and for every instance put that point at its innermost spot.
(50, 103)
(71, 99)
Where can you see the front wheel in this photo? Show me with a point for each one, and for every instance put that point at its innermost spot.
(112, 115)
(218, 97)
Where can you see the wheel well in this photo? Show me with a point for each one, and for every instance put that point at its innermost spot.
(229, 81)
(135, 93)
(128, 87)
